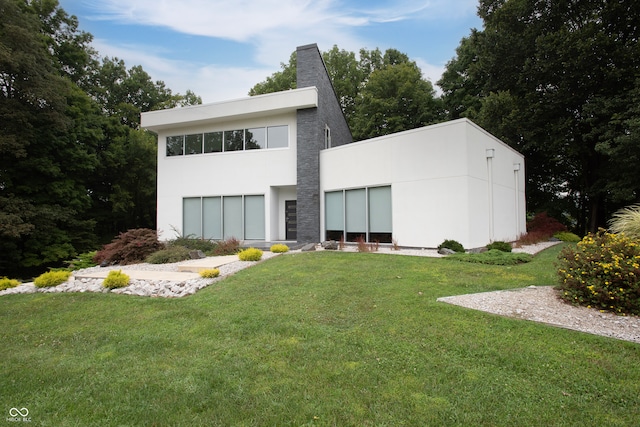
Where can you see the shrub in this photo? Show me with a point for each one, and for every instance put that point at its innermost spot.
(210, 273)
(84, 260)
(492, 257)
(193, 244)
(51, 278)
(170, 254)
(540, 229)
(229, 246)
(501, 246)
(6, 283)
(532, 237)
(250, 254)
(627, 221)
(130, 247)
(116, 279)
(279, 248)
(453, 245)
(542, 223)
(567, 236)
(602, 271)
(363, 246)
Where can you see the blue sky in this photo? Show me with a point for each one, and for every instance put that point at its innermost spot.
(222, 48)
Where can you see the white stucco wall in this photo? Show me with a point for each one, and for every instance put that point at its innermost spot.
(250, 172)
(439, 181)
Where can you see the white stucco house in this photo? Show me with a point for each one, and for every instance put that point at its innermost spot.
(283, 167)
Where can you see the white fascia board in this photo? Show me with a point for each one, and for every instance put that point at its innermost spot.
(253, 106)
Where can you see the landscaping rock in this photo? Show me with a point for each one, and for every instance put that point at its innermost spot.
(309, 247)
(197, 254)
(330, 245)
(446, 251)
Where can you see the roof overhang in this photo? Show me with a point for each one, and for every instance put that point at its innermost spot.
(243, 108)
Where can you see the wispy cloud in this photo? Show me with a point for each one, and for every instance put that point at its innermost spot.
(211, 82)
(272, 29)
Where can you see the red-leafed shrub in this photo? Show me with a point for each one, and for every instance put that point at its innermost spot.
(543, 223)
(230, 246)
(540, 229)
(130, 247)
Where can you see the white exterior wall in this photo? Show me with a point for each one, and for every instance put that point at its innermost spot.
(249, 172)
(439, 183)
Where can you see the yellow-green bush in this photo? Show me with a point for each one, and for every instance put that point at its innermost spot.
(210, 273)
(6, 283)
(279, 248)
(51, 278)
(602, 271)
(116, 279)
(567, 236)
(250, 254)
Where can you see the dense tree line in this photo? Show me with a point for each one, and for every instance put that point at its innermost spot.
(75, 169)
(560, 82)
(557, 80)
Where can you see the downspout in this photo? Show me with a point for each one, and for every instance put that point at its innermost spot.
(490, 153)
(516, 173)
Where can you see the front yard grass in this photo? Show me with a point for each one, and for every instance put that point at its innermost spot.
(313, 339)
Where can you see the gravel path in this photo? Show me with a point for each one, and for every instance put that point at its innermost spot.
(542, 304)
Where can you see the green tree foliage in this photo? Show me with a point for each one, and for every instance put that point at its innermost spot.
(379, 93)
(42, 164)
(278, 81)
(395, 98)
(74, 166)
(559, 82)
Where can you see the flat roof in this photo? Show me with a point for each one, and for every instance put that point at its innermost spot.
(252, 106)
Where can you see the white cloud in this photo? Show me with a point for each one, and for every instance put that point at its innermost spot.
(431, 72)
(272, 27)
(211, 82)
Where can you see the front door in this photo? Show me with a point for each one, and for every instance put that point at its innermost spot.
(291, 220)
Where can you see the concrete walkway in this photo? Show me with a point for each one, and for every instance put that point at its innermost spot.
(187, 271)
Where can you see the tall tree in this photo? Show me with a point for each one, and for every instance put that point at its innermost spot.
(402, 97)
(46, 147)
(74, 165)
(557, 80)
(395, 98)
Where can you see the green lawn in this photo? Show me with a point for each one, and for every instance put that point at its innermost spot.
(345, 339)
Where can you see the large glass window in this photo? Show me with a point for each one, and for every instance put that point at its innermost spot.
(175, 145)
(232, 217)
(212, 218)
(254, 217)
(193, 144)
(213, 142)
(192, 217)
(234, 140)
(217, 218)
(229, 140)
(277, 136)
(380, 224)
(359, 213)
(334, 215)
(356, 214)
(255, 138)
